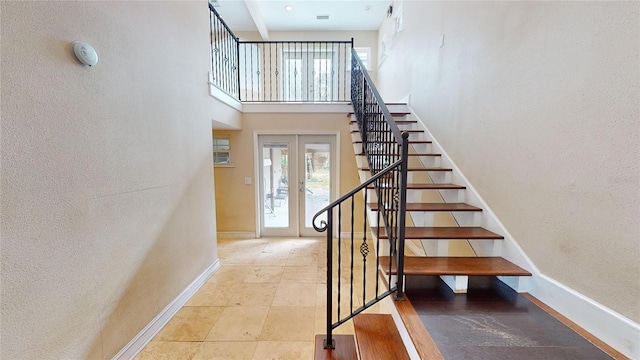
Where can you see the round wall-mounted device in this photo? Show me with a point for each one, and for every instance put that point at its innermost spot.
(84, 53)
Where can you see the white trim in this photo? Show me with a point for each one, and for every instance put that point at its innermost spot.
(404, 334)
(342, 108)
(145, 335)
(607, 325)
(225, 98)
(236, 235)
(616, 330)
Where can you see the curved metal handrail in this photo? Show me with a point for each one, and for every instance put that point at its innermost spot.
(350, 194)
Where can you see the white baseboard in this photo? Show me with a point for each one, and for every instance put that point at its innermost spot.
(607, 325)
(615, 330)
(236, 235)
(145, 335)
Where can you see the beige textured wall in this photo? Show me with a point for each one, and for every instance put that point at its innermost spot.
(236, 201)
(107, 197)
(538, 104)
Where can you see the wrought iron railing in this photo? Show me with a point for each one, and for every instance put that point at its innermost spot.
(224, 55)
(278, 71)
(385, 148)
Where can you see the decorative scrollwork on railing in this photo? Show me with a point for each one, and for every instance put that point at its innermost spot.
(364, 249)
(323, 224)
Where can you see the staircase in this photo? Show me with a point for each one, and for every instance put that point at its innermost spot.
(417, 222)
(443, 238)
(427, 233)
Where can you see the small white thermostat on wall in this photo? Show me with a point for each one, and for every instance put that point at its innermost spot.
(84, 53)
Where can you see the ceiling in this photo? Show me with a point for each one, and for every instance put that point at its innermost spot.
(272, 15)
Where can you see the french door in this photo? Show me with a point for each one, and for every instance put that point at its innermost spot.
(309, 75)
(297, 179)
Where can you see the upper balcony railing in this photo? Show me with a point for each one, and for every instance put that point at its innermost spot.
(279, 71)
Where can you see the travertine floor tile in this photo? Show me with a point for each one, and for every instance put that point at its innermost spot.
(292, 294)
(289, 323)
(191, 323)
(284, 350)
(302, 260)
(230, 274)
(271, 259)
(265, 302)
(239, 323)
(264, 274)
(253, 294)
(160, 350)
(230, 350)
(213, 294)
(300, 274)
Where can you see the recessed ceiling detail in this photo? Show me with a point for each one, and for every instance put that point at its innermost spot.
(344, 14)
(322, 17)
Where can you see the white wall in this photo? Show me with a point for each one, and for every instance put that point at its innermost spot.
(107, 199)
(538, 104)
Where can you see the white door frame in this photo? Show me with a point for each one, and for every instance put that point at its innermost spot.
(256, 161)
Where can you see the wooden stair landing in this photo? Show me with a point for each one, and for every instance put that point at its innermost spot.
(393, 113)
(412, 131)
(433, 207)
(413, 186)
(416, 233)
(345, 348)
(412, 154)
(378, 338)
(398, 122)
(470, 266)
(415, 169)
(394, 142)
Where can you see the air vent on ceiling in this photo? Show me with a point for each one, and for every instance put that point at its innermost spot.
(322, 17)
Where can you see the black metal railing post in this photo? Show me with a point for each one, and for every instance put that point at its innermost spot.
(238, 72)
(402, 210)
(329, 343)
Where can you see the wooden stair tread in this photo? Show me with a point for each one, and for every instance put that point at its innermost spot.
(416, 169)
(422, 154)
(469, 266)
(433, 207)
(388, 142)
(412, 232)
(393, 113)
(345, 348)
(398, 122)
(378, 338)
(429, 186)
(414, 131)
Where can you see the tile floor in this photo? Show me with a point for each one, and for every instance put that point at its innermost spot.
(267, 301)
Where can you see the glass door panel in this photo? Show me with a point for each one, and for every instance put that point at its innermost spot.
(316, 168)
(278, 206)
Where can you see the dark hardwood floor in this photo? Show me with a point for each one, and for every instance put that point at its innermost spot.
(492, 322)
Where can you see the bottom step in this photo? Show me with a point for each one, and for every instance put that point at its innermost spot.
(345, 348)
(378, 338)
(469, 266)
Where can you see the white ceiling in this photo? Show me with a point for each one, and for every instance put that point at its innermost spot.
(343, 15)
